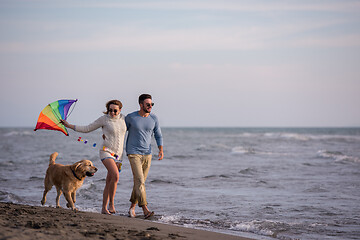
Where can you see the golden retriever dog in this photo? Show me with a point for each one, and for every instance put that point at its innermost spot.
(67, 179)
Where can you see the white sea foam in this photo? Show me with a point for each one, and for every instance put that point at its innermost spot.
(88, 209)
(18, 133)
(295, 136)
(346, 138)
(242, 150)
(248, 150)
(170, 219)
(288, 136)
(308, 137)
(212, 147)
(253, 227)
(9, 197)
(337, 156)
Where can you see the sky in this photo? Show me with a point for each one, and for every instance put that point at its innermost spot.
(224, 63)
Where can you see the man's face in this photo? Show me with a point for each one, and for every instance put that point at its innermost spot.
(147, 105)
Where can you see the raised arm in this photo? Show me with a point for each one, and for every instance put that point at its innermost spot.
(85, 129)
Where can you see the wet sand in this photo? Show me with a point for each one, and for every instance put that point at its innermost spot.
(32, 222)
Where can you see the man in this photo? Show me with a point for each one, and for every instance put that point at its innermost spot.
(141, 125)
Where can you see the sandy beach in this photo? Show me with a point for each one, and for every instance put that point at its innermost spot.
(32, 222)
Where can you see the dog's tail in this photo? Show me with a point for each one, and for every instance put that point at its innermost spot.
(52, 158)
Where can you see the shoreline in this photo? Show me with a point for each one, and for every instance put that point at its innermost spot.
(20, 221)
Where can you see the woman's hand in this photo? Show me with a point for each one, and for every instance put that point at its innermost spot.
(66, 124)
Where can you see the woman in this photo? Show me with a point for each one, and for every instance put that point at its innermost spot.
(114, 129)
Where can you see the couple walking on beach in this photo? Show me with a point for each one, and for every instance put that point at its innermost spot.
(141, 125)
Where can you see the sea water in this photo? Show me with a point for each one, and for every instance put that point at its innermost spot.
(264, 183)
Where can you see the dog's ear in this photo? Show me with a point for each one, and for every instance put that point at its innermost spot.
(76, 166)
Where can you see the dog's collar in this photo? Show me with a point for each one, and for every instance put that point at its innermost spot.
(75, 175)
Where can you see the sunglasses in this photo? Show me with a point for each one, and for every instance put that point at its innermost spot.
(113, 110)
(149, 104)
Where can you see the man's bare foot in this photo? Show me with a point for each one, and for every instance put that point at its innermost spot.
(148, 215)
(132, 212)
(147, 212)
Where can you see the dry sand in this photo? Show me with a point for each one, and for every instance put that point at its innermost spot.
(32, 222)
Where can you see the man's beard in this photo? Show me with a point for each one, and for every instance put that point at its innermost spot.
(146, 110)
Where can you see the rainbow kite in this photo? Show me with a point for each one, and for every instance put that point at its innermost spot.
(51, 115)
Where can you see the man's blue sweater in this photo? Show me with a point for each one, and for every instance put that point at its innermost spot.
(140, 131)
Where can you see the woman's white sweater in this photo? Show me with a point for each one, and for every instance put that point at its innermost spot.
(114, 130)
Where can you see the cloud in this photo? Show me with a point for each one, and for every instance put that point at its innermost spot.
(276, 28)
(140, 38)
(212, 5)
(351, 40)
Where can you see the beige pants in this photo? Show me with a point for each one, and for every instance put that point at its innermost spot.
(140, 166)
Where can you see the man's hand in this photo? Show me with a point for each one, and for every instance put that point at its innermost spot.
(161, 153)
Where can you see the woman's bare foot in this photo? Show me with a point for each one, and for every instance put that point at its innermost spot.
(105, 211)
(112, 209)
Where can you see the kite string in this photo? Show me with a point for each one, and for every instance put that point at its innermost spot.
(80, 139)
(56, 114)
(59, 117)
(68, 115)
(72, 108)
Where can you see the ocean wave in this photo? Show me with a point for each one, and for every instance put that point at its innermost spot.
(275, 135)
(217, 176)
(194, 223)
(210, 176)
(10, 197)
(291, 136)
(212, 147)
(36, 178)
(88, 209)
(88, 186)
(170, 219)
(316, 189)
(254, 227)
(7, 163)
(160, 181)
(89, 191)
(265, 228)
(248, 171)
(18, 133)
(337, 156)
(180, 156)
(240, 150)
(302, 136)
(339, 138)
(324, 137)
